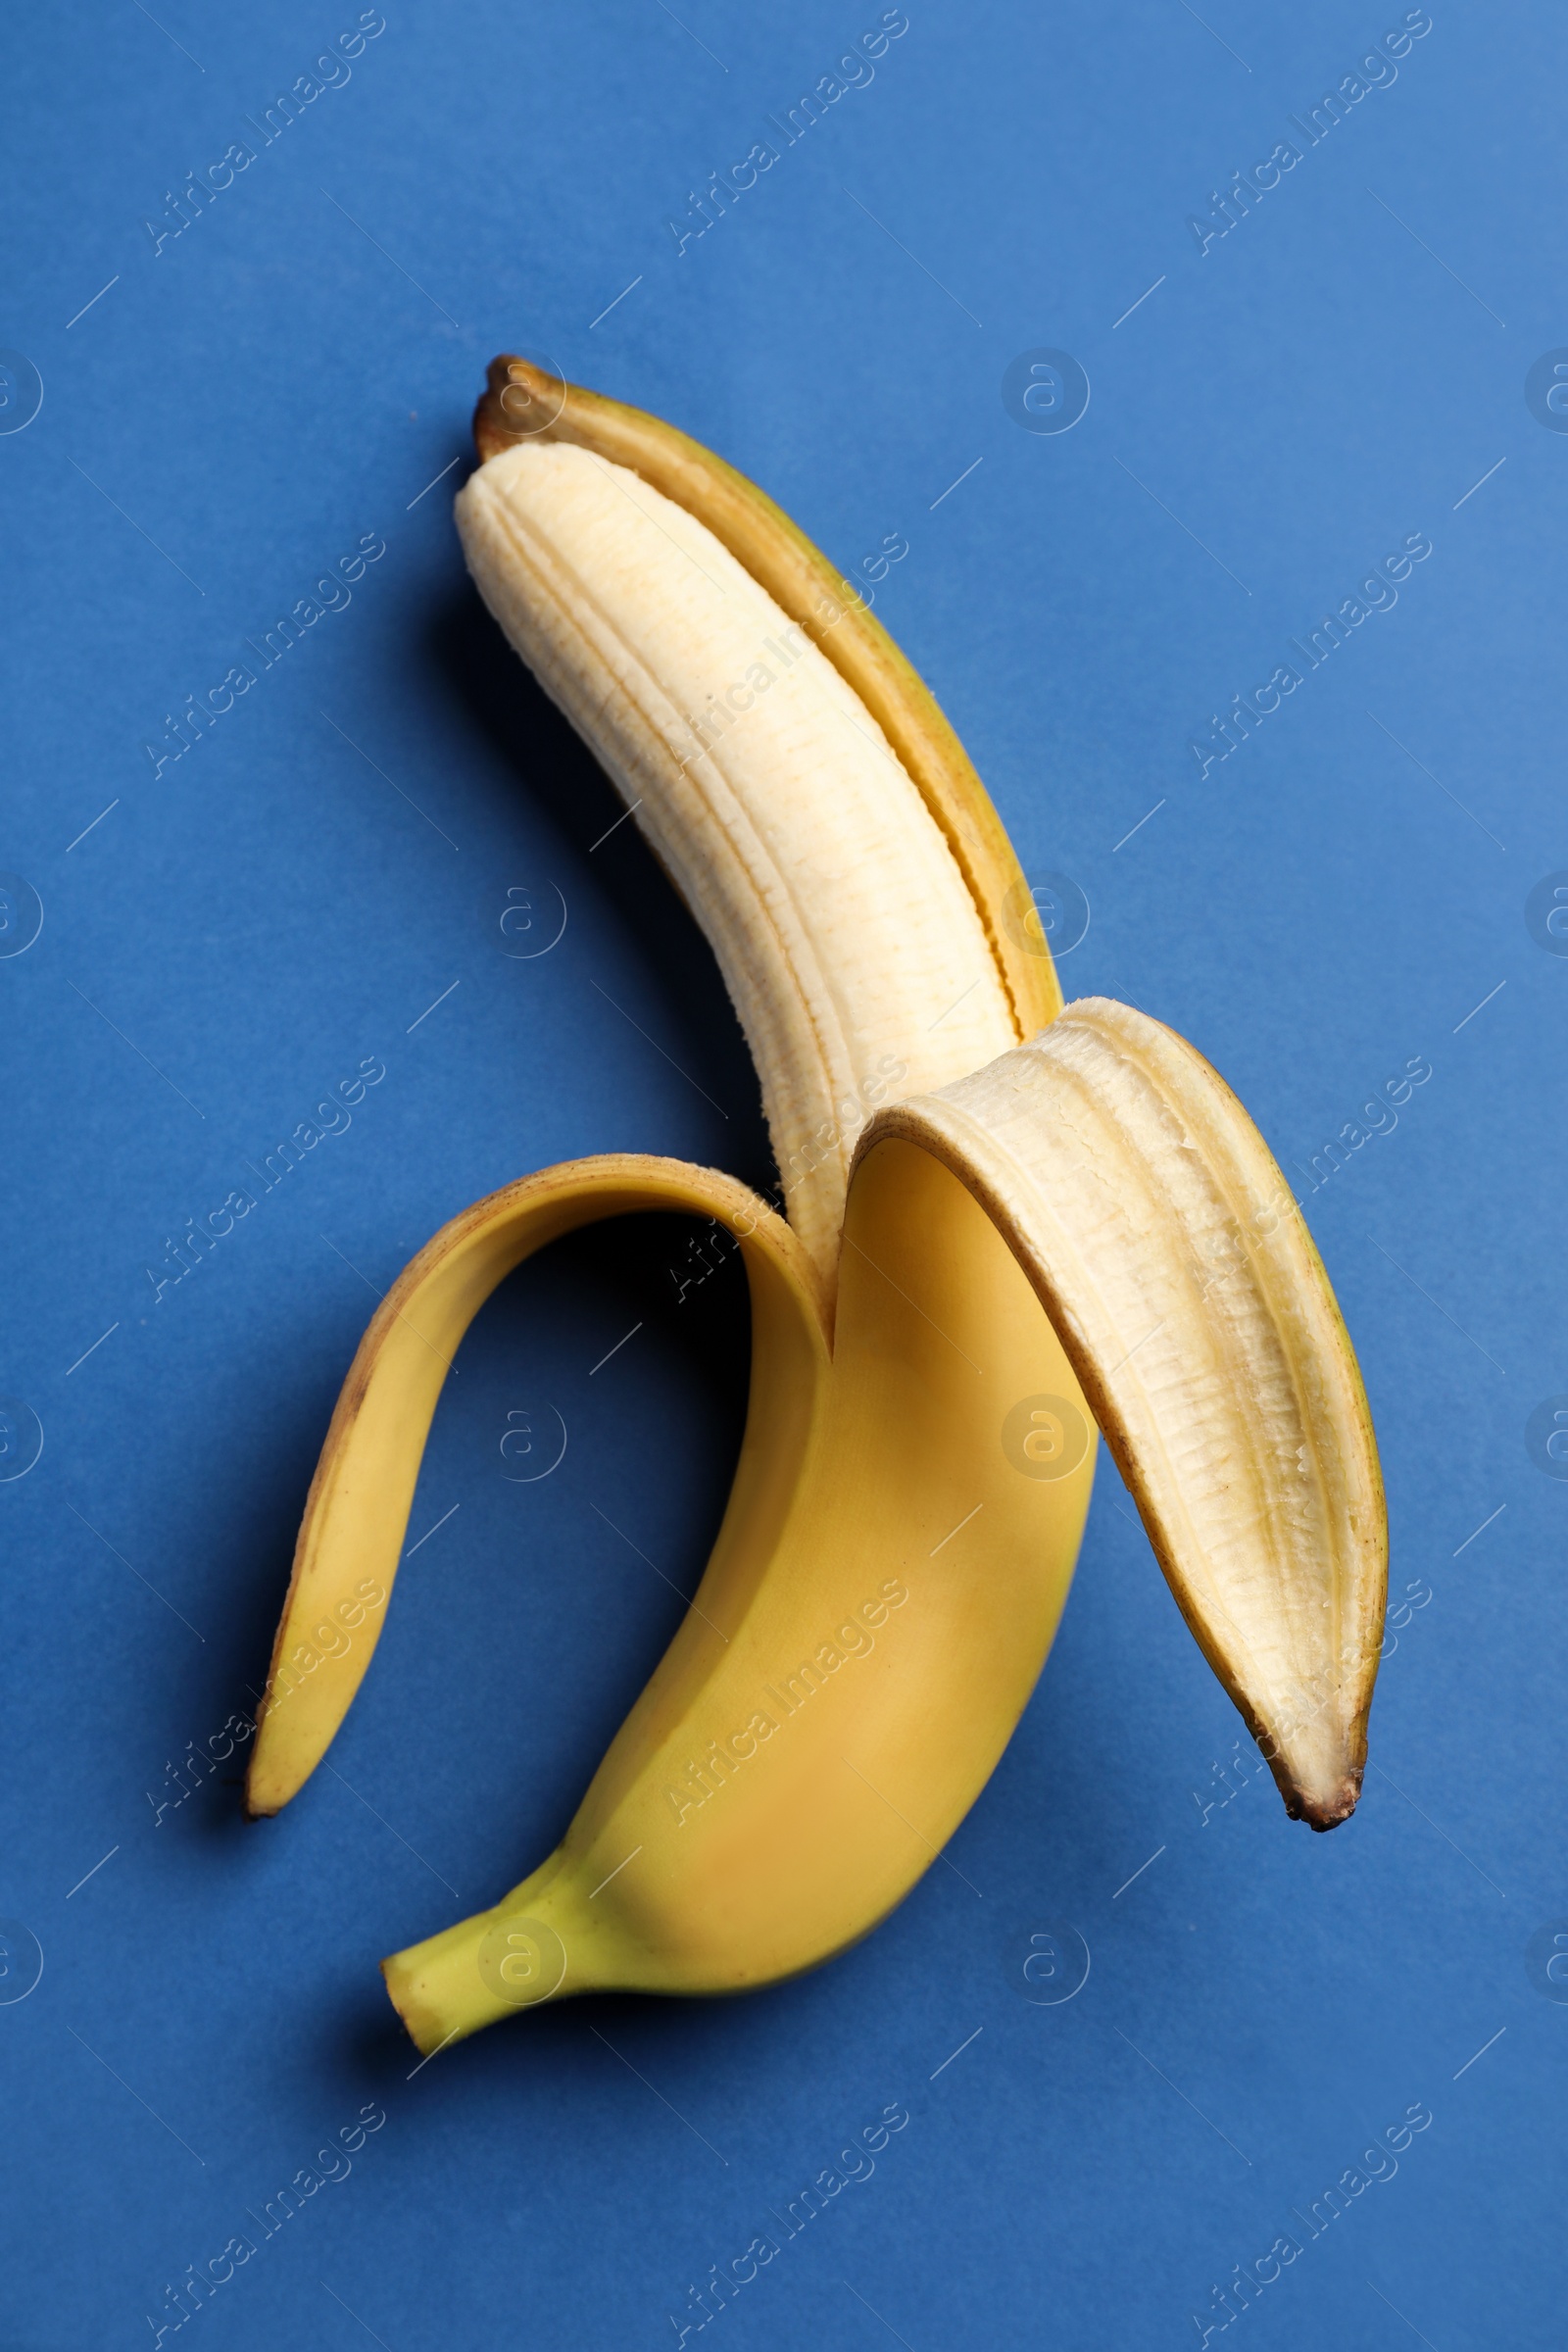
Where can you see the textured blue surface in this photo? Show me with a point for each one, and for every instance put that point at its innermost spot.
(319, 884)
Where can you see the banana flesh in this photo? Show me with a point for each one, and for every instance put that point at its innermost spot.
(919, 1447)
(521, 403)
(847, 937)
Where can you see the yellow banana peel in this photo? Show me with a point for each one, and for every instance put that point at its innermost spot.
(1009, 1222)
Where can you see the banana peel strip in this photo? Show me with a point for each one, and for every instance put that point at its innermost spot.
(1167, 1250)
(357, 1513)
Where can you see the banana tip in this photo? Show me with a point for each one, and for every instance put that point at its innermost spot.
(260, 1803)
(1325, 1810)
(521, 401)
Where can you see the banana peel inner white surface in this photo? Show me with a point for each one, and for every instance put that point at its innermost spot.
(1168, 1252)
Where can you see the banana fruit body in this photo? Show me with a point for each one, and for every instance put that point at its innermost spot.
(957, 1154)
(845, 935)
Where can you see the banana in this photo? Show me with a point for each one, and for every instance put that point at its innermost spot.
(957, 1152)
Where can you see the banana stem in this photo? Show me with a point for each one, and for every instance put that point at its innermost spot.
(537, 1944)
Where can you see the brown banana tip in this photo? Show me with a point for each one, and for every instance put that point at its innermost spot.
(1327, 1813)
(521, 401)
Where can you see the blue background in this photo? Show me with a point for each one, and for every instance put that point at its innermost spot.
(237, 934)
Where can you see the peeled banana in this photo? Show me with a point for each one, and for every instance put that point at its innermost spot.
(956, 1152)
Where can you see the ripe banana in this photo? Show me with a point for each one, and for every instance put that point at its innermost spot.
(956, 1152)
